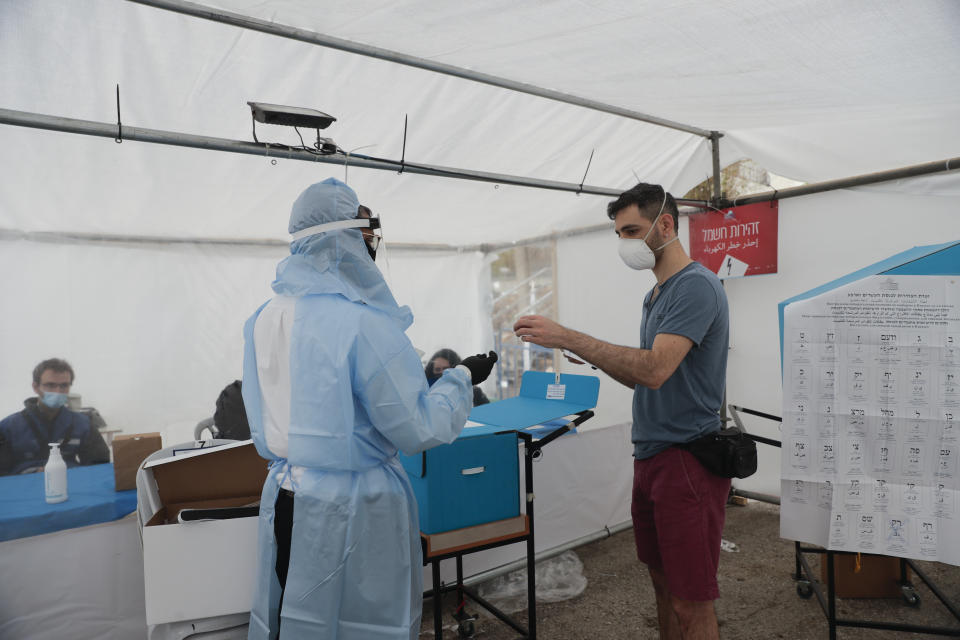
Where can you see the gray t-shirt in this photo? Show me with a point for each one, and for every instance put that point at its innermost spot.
(691, 303)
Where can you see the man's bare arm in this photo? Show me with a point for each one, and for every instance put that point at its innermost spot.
(628, 365)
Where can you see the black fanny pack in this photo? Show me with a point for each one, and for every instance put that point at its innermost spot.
(728, 453)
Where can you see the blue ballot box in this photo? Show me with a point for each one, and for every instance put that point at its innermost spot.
(471, 481)
(476, 479)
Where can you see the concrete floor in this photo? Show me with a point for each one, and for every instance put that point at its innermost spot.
(758, 598)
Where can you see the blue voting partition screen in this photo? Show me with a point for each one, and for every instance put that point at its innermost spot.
(476, 479)
(930, 260)
(541, 399)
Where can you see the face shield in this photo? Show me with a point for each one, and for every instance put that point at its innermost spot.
(369, 227)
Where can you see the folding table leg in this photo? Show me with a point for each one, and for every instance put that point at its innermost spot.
(437, 599)
(798, 574)
(832, 603)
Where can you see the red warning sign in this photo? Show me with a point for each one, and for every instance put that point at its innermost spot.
(738, 241)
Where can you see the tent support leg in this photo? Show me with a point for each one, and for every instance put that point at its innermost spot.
(715, 152)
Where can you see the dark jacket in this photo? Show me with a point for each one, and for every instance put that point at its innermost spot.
(452, 357)
(25, 436)
(479, 397)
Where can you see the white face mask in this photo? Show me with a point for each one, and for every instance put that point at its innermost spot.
(639, 255)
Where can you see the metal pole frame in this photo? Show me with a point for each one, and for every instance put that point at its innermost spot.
(715, 152)
(312, 37)
(157, 136)
(807, 585)
(911, 171)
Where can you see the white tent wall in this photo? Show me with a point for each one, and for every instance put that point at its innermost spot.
(154, 331)
(451, 298)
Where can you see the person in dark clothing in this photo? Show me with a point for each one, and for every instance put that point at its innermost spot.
(448, 359)
(25, 436)
(230, 417)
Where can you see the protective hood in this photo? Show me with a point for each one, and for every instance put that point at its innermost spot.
(334, 262)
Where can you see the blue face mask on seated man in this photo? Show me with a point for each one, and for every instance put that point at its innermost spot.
(54, 400)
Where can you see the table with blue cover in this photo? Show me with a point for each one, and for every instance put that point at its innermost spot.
(92, 500)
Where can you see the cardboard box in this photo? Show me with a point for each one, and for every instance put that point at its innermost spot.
(129, 451)
(474, 480)
(201, 569)
(879, 576)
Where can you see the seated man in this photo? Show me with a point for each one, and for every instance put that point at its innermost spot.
(25, 436)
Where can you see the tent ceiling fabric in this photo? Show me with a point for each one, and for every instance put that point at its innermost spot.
(852, 79)
(194, 76)
(812, 90)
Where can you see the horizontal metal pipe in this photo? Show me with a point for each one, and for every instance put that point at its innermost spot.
(78, 237)
(769, 441)
(691, 207)
(937, 166)
(754, 412)
(312, 37)
(138, 134)
(548, 237)
(155, 136)
(898, 626)
(759, 497)
(935, 589)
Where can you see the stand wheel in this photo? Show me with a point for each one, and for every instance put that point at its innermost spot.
(466, 629)
(910, 595)
(465, 626)
(804, 589)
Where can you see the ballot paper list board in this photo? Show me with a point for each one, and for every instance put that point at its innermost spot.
(871, 418)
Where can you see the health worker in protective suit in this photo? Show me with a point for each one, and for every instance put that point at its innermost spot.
(333, 389)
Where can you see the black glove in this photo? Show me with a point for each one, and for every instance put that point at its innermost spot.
(480, 366)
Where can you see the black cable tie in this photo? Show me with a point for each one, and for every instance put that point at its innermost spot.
(403, 151)
(580, 188)
(119, 138)
(774, 199)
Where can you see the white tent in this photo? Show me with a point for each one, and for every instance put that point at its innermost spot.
(139, 262)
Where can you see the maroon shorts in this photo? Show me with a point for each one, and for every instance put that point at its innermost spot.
(678, 511)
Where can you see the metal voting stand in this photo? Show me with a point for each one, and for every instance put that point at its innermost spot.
(808, 586)
(434, 551)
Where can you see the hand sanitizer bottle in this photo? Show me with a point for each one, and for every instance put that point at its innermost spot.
(55, 476)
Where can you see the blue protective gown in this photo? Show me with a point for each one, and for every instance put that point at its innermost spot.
(333, 388)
